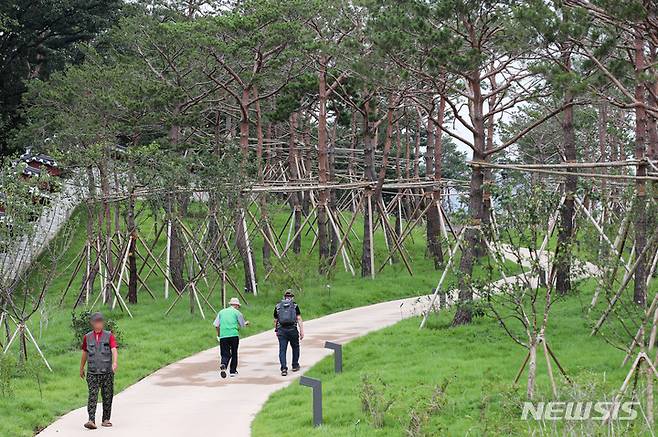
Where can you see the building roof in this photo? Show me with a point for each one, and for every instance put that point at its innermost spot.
(31, 171)
(41, 158)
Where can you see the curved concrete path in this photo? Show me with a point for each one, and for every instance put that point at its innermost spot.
(188, 398)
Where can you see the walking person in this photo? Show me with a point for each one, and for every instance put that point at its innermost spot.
(289, 329)
(228, 323)
(99, 354)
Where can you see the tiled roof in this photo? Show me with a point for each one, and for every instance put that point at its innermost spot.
(41, 158)
(31, 171)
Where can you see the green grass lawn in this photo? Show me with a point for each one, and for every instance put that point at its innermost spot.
(150, 340)
(475, 363)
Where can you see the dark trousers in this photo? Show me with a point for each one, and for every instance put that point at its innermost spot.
(105, 383)
(285, 336)
(228, 349)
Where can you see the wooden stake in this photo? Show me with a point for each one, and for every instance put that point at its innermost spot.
(36, 345)
(627, 278)
(346, 259)
(443, 276)
(598, 229)
(549, 368)
(399, 248)
(520, 372)
(223, 276)
(88, 266)
(123, 269)
(346, 235)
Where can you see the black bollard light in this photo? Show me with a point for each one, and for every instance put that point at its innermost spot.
(338, 355)
(316, 385)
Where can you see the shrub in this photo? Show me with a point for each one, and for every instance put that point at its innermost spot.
(374, 401)
(420, 416)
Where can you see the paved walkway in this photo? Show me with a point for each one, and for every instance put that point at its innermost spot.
(188, 398)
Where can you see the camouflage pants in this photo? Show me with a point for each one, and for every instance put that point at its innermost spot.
(104, 383)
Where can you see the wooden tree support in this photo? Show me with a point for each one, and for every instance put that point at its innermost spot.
(437, 290)
(640, 359)
(550, 358)
(23, 331)
(625, 282)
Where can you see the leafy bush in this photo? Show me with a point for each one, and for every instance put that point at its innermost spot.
(80, 326)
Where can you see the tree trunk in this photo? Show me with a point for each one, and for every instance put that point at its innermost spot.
(639, 210)
(350, 163)
(92, 267)
(107, 221)
(652, 146)
(419, 127)
(388, 143)
(264, 219)
(295, 197)
(244, 248)
(369, 169)
(430, 215)
(172, 207)
(603, 157)
(433, 218)
(306, 164)
(244, 126)
(241, 239)
(532, 369)
(333, 201)
(323, 168)
(132, 259)
(472, 239)
(177, 251)
(398, 176)
(407, 170)
(213, 236)
(568, 208)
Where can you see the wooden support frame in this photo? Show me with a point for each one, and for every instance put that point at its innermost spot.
(23, 331)
(437, 290)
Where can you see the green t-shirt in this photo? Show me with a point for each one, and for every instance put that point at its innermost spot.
(229, 320)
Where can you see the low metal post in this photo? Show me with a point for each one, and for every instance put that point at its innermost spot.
(316, 385)
(338, 355)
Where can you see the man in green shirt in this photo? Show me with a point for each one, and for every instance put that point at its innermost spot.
(228, 322)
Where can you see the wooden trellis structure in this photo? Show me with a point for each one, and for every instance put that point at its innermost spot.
(200, 263)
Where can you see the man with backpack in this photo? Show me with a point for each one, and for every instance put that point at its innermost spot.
(289, 329)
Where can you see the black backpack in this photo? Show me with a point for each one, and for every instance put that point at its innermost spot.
(287, 313)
